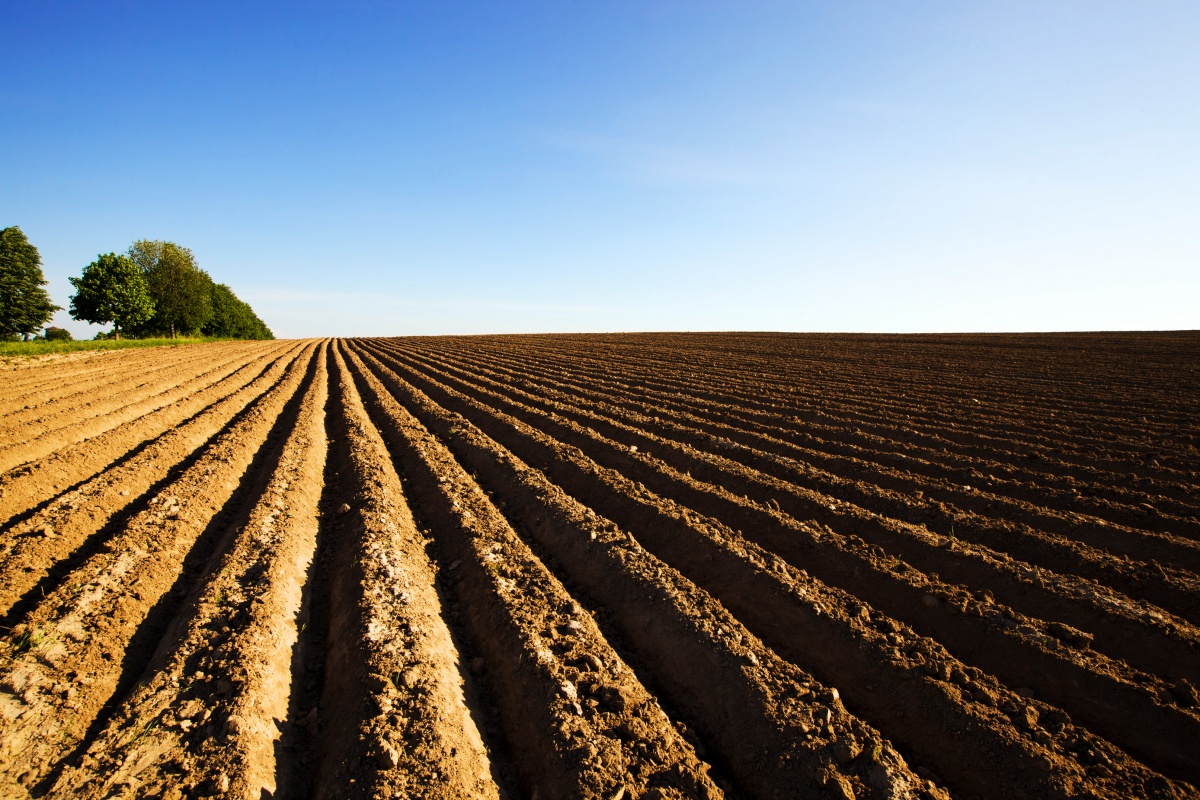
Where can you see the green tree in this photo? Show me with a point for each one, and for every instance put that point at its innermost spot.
(24, 305)
(182, 292)
(112, 289)
(233, 317)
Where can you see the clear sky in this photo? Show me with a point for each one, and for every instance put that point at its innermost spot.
(390, 168)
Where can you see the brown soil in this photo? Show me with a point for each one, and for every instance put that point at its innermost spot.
(622, 566)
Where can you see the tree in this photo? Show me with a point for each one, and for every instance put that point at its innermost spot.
(181, 291)
(233, 317)
(24, 305)
(112, 289)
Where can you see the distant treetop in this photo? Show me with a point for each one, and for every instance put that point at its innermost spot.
(25, 306)
(112, 289)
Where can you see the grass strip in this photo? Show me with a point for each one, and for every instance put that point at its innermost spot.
(35, 349)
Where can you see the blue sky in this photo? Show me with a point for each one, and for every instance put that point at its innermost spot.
(390, 168)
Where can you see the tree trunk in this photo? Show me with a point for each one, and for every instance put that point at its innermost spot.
(117, 332)
(172, 330)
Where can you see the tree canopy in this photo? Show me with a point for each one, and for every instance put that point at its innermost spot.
(112, 289)
(157, 289)
(181, 291)
(25, 306)
(234, 318)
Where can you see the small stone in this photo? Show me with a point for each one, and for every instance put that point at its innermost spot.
(568, 690)
(345, 508)
(619, 793)
(235, 725)
(190, 709)
(388, 756)
(1027, 718)
(823, 716)
(27, 778)
(832, 696)
(929, 601)
(221, 784)
(410, 677)
(478, 665)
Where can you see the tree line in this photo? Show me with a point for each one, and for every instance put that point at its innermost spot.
(155, 288)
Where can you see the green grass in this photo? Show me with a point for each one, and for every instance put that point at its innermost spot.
(35, 349)
(27, 640)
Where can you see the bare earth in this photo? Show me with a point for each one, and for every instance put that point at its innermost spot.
(604, 566)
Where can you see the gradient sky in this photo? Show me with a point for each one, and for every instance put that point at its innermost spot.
(390, 168)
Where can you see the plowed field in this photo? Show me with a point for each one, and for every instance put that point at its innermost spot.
(606, 566)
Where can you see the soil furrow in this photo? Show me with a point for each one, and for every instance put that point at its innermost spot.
(775, 728)
(818, 431)
(1143, 635)
(33, 484)
(949, 420)
(205, 719)
(831, 451)
(53, 385)
(839, 652)
(611, 566)
(33, 442)
(1119, 703)
(71, 649)
(392, 718)
(584, 726)
(1160, 583)
(117, 367)
(93, 397)
(39, 551)
(970, 505)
